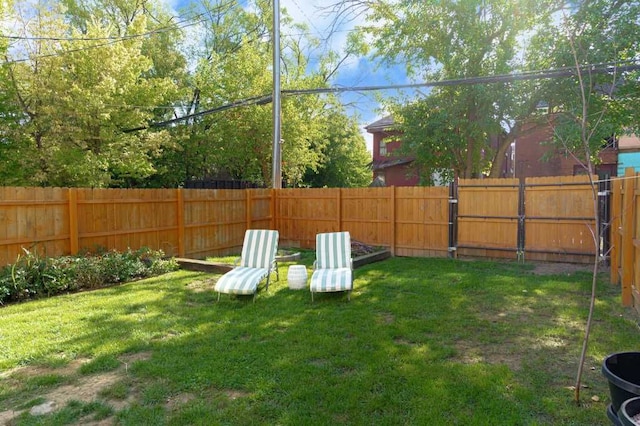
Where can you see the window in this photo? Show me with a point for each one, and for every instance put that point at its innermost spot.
(382, 150)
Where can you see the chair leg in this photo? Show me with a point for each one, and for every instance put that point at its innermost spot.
(218, 296)
(312, 297)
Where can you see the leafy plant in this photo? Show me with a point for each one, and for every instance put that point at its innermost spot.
(33, 275)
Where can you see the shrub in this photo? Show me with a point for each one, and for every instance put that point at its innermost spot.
(35, 276)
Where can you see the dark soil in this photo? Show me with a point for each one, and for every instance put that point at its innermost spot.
(360, 249)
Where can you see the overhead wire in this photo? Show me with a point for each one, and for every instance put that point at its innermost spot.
(607, 67)
(175, 26)
(527, 75)
(187, 21)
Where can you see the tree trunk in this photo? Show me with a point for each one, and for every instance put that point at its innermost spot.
(504, 142)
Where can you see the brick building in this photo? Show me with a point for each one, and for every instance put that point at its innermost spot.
(534, 156)
(531, 155)
(390, 169)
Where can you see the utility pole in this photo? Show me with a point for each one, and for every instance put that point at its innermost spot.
(277, 160)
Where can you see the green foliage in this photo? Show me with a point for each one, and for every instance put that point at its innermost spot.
(97, 68)
(235, 64)
(344, 161)
(592, 32)
(470, 126)
(467, 128)
(34, 276)
(73, 103)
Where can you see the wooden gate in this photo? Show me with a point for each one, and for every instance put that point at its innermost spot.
(488, 218)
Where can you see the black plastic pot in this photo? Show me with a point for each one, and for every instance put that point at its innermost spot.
(623, 372)
(613, 416)
(628, 410)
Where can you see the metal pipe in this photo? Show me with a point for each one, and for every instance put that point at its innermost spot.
(276, 178)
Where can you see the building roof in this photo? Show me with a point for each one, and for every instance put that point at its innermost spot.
(629, 143)
(390, 162)
(380, 125)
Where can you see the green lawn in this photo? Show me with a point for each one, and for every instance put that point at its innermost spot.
(423, 341)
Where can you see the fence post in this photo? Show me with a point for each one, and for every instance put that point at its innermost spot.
(615, 231)
(453, 219)
(339, 208)
(628, 249)
(180, 216)
(392, 197)
(521, 236)
(72, 194)
(272, 207)
(604, 217)
(248, 207)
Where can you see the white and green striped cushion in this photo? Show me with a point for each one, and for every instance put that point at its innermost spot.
(324, 280)
(333, 263)
(241, 280)
(259, 248)
(333, 250)
(258, 254)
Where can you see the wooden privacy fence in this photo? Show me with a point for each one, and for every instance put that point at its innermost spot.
(411, 221)
(625, 237)
(547, 219)
(193, 223)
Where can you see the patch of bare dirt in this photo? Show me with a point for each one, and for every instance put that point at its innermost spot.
(85, 388)
(551, 268)
(385, 318)
(489, 354)
(199, 286)
(177, 401)
(233, 394)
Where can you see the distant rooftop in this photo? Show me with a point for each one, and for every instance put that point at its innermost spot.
(628, 142)
(382, 124)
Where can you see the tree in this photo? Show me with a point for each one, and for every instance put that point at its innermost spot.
(344, 161)
(11, 149)
(594, 32)
(164, 31)
(234, 64)
(75, 95)
(454, 41)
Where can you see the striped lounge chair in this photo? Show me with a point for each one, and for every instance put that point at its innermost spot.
(257, 261)
(333, 268)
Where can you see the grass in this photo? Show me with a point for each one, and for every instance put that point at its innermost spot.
(423, 341)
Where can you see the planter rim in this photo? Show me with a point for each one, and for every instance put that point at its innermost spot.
(624, 417)
(618, 381)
